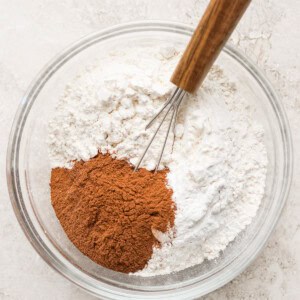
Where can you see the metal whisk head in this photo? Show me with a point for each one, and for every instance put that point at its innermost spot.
(171, 106)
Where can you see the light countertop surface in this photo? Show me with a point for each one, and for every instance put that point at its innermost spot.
(33, 31)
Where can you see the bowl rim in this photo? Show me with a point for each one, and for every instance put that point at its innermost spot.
(23, 110)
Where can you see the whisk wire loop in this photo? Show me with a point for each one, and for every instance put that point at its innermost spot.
(172, 104)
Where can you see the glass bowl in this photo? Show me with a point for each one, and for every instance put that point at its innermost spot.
(28, 170)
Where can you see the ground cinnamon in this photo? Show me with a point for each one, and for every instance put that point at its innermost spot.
(109, 211)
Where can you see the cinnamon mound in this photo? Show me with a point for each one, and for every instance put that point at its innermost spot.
(108, 211)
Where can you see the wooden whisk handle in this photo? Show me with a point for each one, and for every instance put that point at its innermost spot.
(212, 32)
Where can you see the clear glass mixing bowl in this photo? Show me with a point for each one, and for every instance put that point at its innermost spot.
(28, 170)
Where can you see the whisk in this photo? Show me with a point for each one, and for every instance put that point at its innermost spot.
(216, 25)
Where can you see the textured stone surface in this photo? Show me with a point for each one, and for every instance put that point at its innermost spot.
(33, 31)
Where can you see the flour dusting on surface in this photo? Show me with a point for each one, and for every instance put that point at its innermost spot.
(219, 160)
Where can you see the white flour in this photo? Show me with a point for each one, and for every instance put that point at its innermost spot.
(218, 165)
(107, 107)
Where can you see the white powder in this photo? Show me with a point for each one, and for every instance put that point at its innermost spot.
(218, 164)
(106, 108)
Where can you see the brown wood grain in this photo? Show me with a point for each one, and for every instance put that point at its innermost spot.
(212, 32)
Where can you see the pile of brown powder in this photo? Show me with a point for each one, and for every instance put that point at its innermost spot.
(109, 211)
